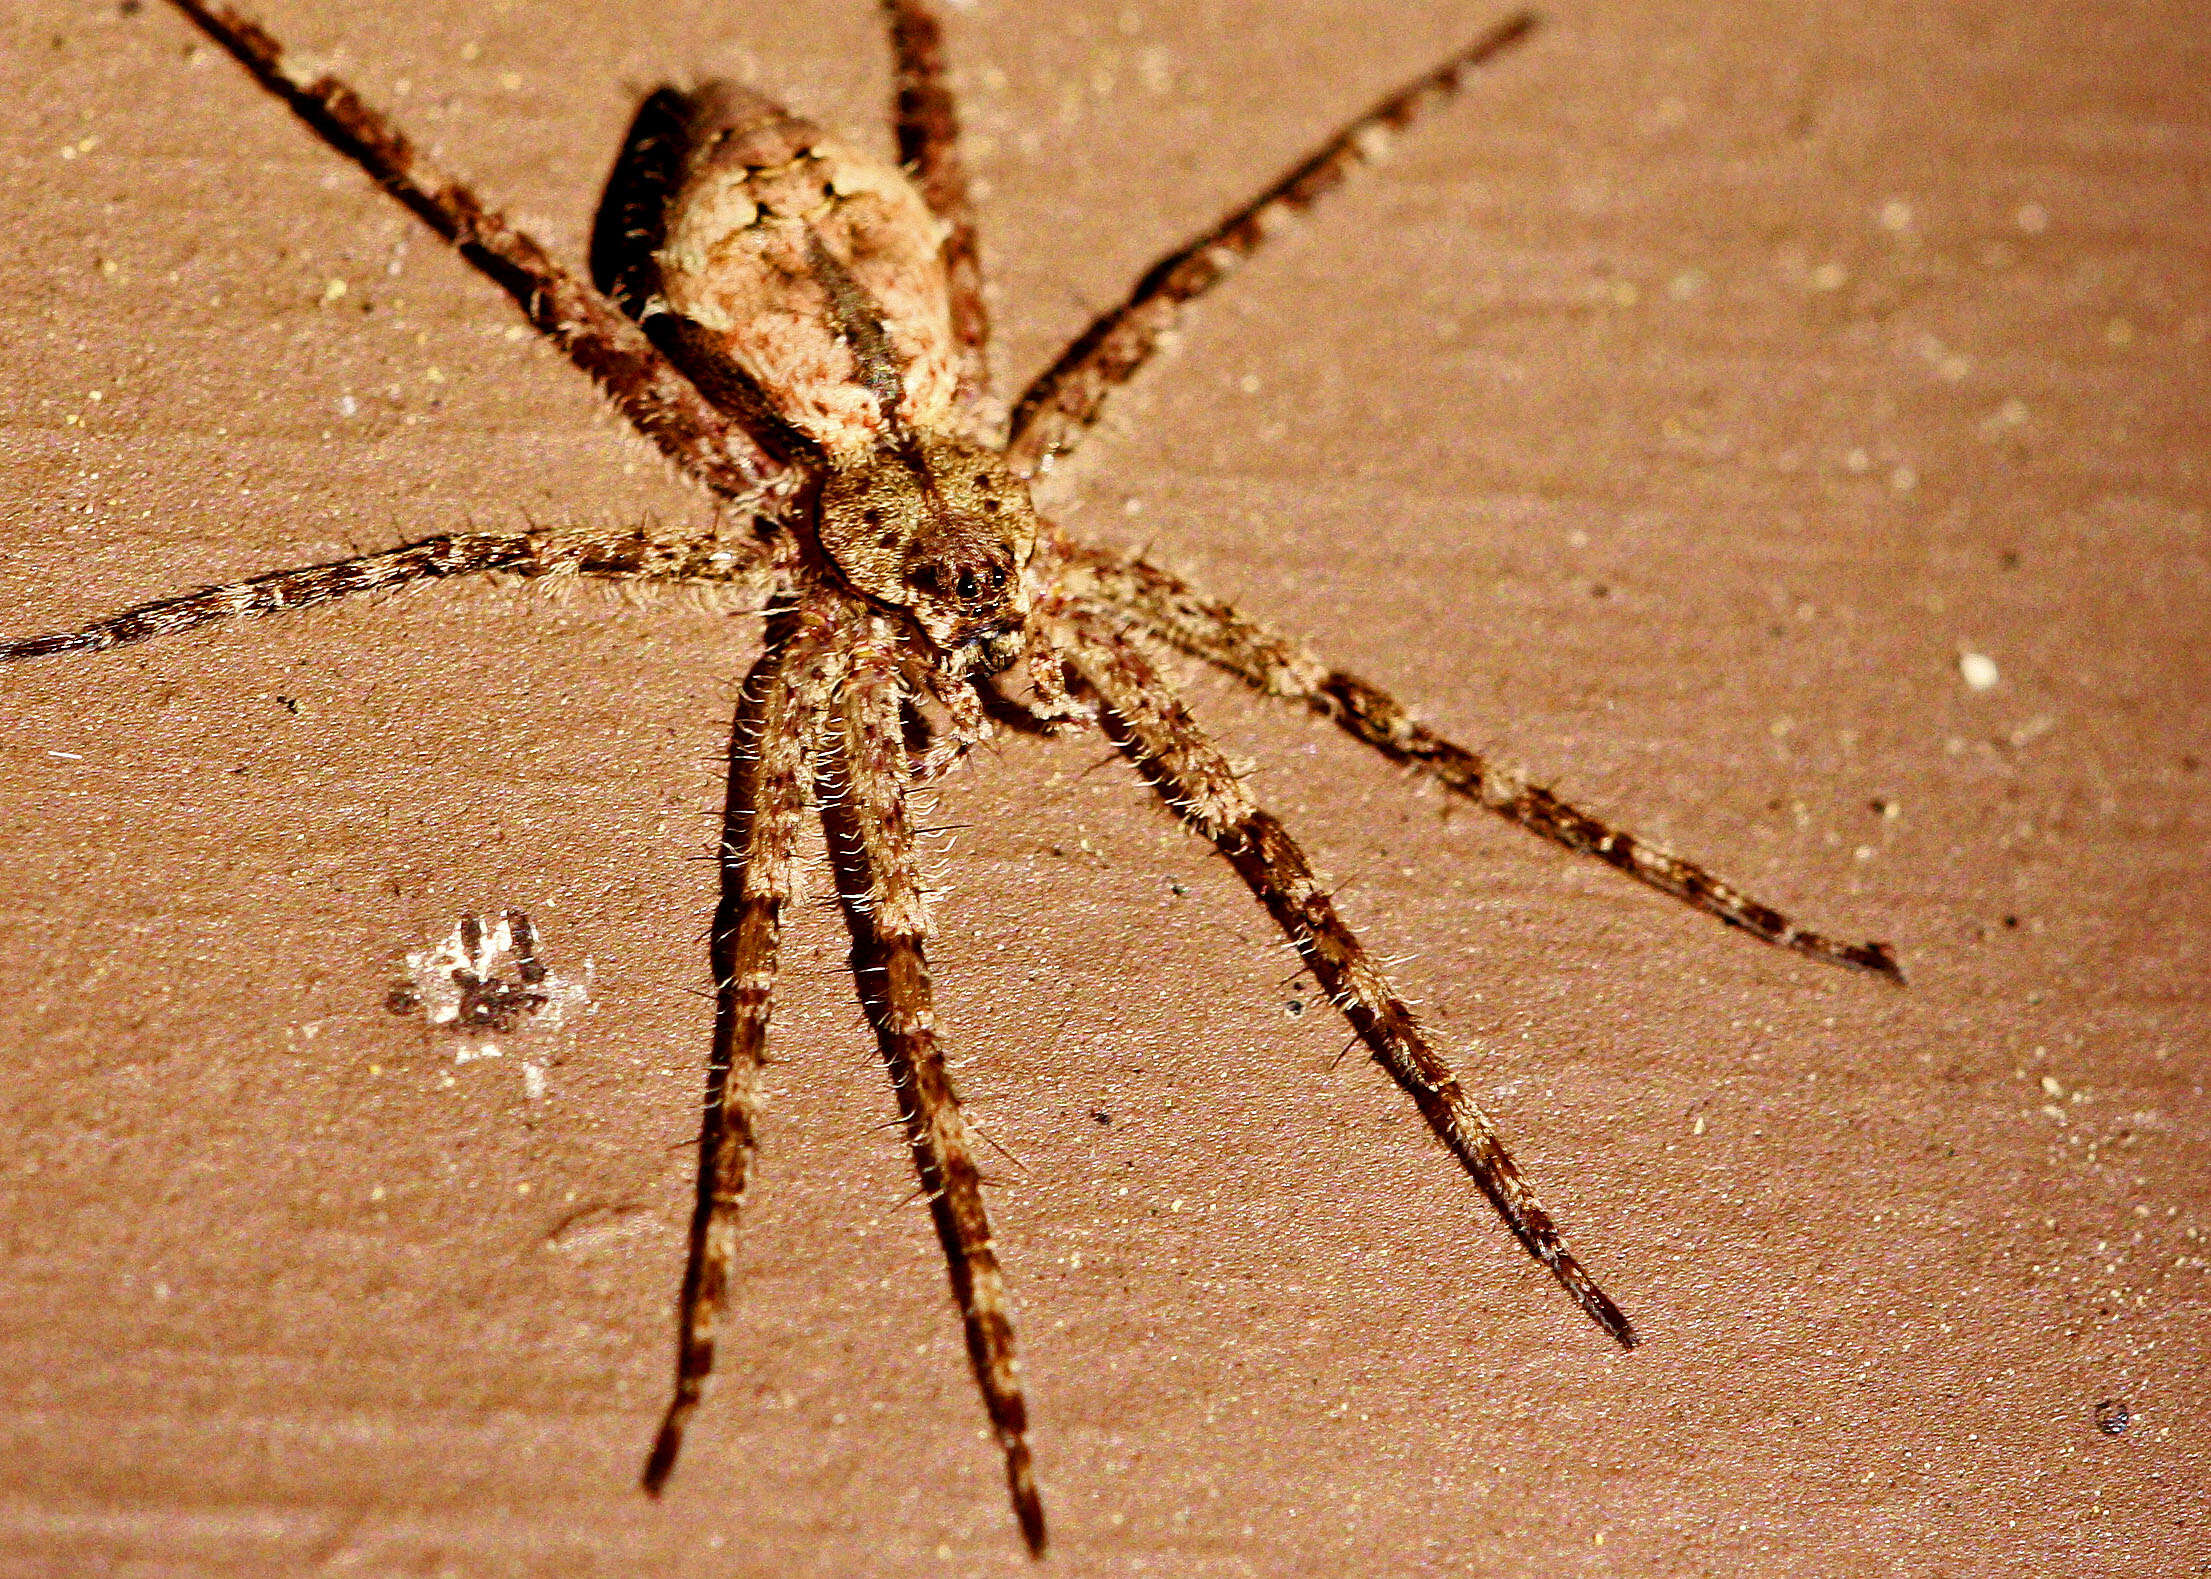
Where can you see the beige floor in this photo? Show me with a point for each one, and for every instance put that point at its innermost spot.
(1670, 417)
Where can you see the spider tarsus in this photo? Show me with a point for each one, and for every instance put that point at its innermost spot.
(54, 646)
(1608, 1316)
(1876, 959)
(1594, 1301)
(662, 1462)
(1028, 1506)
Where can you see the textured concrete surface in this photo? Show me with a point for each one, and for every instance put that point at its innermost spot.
(1670, 417)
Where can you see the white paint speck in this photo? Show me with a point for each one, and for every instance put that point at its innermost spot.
(1978, 670)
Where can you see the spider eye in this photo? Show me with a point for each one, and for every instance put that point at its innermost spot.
(990, 507)
(997, 576)
(968, 586)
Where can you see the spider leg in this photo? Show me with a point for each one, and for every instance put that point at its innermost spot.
(1056, 410)
(1281, 666)
(1156, 731)
(785, 699)
(701, 558)
(929, 148)
(871, 846)
(657, 399)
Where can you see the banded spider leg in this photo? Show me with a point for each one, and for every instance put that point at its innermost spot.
(774, 751)
(1134, 590)
(871, 844)
(824, 704)
(1156, 732)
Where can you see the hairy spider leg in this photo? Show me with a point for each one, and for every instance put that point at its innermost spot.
(663, 405)
(1157, 733)
(1280, 666)
(928, 126)
(700, 558)
(303, 587)
(1056, 410)
(871, 845)
(784, 709)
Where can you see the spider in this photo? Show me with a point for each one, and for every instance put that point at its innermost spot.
(801, 329)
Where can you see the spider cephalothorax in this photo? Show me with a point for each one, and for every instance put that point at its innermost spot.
(802, 330)
(938, 527)
(806, 281)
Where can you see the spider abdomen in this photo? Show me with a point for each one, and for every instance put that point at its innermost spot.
(813, 270)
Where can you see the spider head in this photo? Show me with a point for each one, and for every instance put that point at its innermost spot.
(939, 528)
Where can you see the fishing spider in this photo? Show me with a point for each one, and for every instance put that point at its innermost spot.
(802, 330)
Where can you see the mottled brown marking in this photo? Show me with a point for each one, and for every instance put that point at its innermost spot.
(939, 528)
